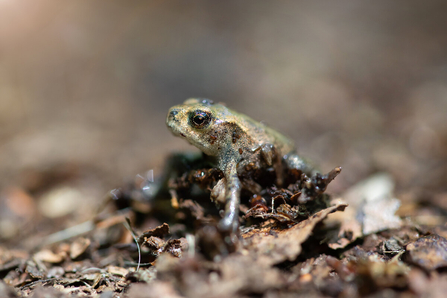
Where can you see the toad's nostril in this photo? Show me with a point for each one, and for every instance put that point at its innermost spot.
(173, 113)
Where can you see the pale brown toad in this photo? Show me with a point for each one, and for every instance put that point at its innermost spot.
(237, 143)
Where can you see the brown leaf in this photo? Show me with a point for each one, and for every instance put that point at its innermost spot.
(277, 246)
(78, 247)
(195, 209)
(155, 244)
(32, 269)
(174, 247)
(428, 252)
(47, 255)
(372, 208)
(159, 231)
(119, 271)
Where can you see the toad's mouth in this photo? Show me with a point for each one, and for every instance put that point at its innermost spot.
(182, 135)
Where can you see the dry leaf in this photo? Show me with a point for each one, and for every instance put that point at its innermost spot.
(47, 255)
(278, 246)
(428, 252)
(372, 208)
(78, 247)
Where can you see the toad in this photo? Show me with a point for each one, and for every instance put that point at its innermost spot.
(236, 143)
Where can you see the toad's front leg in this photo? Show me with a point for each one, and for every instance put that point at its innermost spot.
(230, 222)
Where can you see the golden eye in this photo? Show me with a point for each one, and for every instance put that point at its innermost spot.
(200, 119)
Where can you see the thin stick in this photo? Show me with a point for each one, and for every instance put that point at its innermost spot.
(128, 227)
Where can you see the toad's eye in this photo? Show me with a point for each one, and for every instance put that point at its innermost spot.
(200, 119)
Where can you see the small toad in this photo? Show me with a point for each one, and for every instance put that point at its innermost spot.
(237, 144)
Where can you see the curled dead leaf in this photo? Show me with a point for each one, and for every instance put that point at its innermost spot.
(276, 246)
(78, 247)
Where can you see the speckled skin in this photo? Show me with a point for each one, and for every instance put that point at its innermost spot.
(235, 141)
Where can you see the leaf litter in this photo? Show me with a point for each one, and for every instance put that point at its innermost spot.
(293, 241)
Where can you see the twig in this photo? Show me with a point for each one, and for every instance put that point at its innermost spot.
(128, 227)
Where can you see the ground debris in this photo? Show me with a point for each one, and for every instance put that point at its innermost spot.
(434, 286)
(48, 256)
(286, 248)
(78, 247)
(296, 202)
(158, 232)
(6, 292)
(153, 240)
(429, 252)
(372, 208)
(375, 274)
(154, 290)
(234, 275)
(279, 245)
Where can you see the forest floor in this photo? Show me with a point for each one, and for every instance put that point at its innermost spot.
(294, 241)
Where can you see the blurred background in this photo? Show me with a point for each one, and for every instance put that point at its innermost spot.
(85, 87)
